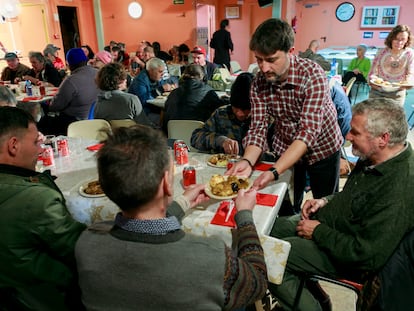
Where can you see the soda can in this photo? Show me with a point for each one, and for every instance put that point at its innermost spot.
(181, 154)
(47, 156)
(63, 148)
(42, 90)
(189, 176)
(176, 143)
(230, 163)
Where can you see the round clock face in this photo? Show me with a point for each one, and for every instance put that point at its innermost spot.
(345, 11)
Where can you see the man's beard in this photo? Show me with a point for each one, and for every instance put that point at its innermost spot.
(272, 77)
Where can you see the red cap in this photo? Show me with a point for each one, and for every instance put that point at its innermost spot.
(199, 50)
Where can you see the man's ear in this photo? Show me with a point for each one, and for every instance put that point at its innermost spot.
(13, 146)
(384, 139)
(168, 183)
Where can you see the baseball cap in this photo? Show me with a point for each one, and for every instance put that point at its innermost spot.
(52, 47)
(10, 55)
(199, 50)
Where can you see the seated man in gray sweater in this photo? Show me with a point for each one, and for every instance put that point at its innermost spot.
(144, 261)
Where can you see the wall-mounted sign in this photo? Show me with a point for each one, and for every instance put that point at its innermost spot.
(368, 35)
(383, 34)
(178, 1)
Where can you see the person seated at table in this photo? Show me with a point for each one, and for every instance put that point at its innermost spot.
(100, 59)
(212, 75)
(359, 66)
(7, 97)
(342, 106)
(148, 85)
(51, 53)
(352, 233)
(311, 54)
(161, 54)
(193, 99)
(146, 240)
(42, 72)
(14, 70)
(113, 103)
(224, 130)
(38, 234)
(88, 51)
(76, 94)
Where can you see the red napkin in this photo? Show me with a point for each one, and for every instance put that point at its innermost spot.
(221, 214)
(262, 166)
(29, 98)
(95, 147)
(266, 199)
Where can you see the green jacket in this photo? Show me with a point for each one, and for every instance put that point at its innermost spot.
(362, 225)
(38, 234)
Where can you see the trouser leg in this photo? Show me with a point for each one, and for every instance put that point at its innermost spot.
(299, 183)
(324, 176)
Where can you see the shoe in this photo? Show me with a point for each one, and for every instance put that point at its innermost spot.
(317, 291)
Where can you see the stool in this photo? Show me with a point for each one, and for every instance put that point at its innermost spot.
(356, 287)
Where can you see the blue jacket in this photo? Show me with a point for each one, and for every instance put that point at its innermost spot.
(343, 108)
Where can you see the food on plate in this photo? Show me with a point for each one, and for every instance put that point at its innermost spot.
(221, 159)
(93, 188)
(224, 186)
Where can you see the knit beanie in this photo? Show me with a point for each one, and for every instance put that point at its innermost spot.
(240, 91)
(104, 56)
(75, 56)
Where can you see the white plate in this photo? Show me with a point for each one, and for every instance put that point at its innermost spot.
(386, 87)
(87, 195)
(219, 166)
(399, 84)
(207, 190)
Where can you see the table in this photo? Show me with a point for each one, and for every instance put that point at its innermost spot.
(161, 100)
(73, 171)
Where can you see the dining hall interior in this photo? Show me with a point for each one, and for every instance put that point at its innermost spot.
(31, 25)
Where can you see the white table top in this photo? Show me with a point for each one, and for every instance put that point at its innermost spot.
(161, 100)
(77, 169)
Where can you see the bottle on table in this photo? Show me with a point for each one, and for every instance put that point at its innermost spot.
(29, 88)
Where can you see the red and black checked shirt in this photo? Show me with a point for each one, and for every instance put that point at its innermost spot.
(302, 109)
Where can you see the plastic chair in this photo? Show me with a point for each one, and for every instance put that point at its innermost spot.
(349, 85)
(183, 129)
(122, 123)
(359, 84)
(92, 129)
(235, 67)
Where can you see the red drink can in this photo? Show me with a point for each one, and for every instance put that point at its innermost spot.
(189, 176)
(181, 154)
(177, 142)
(47, 156)
(42, 90)
(230, 163)
(63, 148)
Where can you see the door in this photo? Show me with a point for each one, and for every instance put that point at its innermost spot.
(68, 20)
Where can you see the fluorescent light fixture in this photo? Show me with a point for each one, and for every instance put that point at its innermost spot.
(135, 10)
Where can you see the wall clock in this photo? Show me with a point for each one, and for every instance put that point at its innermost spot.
(345, 11)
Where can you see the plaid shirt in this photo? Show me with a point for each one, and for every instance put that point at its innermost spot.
(302, 109)
(221, 125)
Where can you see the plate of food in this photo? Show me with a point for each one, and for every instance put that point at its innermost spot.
(221, 159)
(91, 189)
(386, 86)
(403, 84)
(226, 187)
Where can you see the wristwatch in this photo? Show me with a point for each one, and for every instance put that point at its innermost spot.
(274, 172)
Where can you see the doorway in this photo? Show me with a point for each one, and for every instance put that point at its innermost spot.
(68, 20)
(205, 26)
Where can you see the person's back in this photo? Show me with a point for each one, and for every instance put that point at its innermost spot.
(311, 54)
(222, 44)
(192, 100)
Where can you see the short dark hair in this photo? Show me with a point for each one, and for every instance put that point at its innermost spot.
(131, 165)
(13, 120)
(193, 71)
(110, 76)
(224, 23)
(240, 91)
(272, 35)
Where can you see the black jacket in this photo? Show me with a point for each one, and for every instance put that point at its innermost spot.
(222, 44)
(192, 100)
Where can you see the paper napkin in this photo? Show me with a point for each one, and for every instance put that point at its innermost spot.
(95, 147)
(266, 199)
(220, 216)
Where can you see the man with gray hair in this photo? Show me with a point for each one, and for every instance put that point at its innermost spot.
(353, 233)
(149, 84)
(311, 54)
(7, 97)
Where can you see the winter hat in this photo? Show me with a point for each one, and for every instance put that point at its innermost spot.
(104, 56)
(240, 91)
(75, 56)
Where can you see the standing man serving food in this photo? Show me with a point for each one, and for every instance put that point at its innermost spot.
(296, 94)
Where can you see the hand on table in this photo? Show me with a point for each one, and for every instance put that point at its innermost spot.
(311, 207)
(263, 180)
(231, 146)
(195, 195)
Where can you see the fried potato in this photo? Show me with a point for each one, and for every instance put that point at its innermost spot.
(94, 188)
(224, 186)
